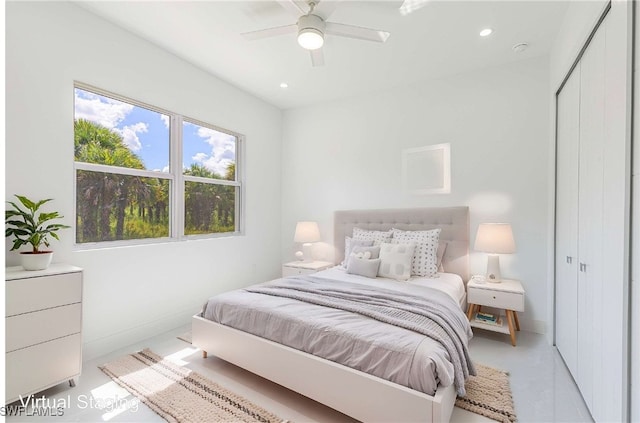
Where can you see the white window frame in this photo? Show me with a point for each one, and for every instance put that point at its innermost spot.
(175, 176)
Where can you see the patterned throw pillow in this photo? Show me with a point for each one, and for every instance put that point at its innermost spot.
(425, 259)
(378, 237)
(395, 261)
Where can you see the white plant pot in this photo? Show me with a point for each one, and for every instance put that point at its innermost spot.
(39, 261)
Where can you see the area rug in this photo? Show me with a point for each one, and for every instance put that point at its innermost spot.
(178, 394)
(489, 394)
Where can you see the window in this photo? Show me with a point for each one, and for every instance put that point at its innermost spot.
(138, 177)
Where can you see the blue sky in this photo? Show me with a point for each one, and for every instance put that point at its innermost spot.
(146, 133)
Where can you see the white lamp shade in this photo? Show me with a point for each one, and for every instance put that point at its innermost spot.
(495, 238)
(307, 232)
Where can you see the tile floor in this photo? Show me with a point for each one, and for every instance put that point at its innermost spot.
(542, 388)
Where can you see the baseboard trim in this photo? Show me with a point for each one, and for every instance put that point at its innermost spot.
(535, 326)
(106, 344)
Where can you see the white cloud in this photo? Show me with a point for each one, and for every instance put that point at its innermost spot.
(199, 157)
(215, 138)
(223, 150)
(165, 120)
(217, 165)
(104, 111)
(164, 169)
(130, 135)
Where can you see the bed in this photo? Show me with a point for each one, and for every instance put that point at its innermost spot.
(350, 391)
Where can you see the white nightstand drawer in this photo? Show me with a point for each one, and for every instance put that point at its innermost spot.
(29, 329)
(294, 271)
(497, 299)
(31, 294)
(35, 368)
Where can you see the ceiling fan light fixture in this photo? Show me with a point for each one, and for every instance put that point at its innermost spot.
(311, 32)
(310, 38)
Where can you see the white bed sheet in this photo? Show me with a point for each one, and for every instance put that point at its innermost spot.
(449, 283)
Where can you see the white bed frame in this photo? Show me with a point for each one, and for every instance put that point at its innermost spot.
(354, 393)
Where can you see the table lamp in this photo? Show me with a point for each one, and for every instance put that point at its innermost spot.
(494, 238)
(306, 233)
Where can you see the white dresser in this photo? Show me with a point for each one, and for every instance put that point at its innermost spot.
(43, 318)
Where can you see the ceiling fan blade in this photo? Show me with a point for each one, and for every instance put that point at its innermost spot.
(270, 32)
(325, 8)
(410, 6)
(294, 8)
(317, 57)
(358, 32)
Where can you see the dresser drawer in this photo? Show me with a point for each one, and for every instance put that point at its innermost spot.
(36, 368)
(33, 328)
(31, 294)
(293, 271)
(498, 299)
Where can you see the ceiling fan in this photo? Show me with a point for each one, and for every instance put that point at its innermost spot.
(311, 28)
(410, 6)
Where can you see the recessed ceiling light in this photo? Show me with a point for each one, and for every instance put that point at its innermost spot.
(284, 85)
(486, 32)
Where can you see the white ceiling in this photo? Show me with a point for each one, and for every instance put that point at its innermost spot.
(439, 39)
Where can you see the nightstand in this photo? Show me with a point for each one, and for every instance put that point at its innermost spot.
(507, 295)
(304, 267)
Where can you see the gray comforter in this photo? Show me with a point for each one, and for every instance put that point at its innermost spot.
(369, 328)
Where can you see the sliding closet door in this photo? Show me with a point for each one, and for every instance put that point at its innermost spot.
(568, 135)
(590, 235)
(597, 355)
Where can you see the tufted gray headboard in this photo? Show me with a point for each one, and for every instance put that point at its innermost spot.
(454, 222)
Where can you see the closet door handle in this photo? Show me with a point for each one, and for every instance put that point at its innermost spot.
(583, 267)
(569, 259)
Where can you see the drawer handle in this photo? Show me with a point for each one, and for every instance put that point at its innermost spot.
(494, 297)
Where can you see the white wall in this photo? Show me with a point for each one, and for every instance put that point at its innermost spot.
(347, 155)
(134, 292)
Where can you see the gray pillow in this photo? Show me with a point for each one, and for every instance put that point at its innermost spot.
(363, 267)
(349, 244)
(373, 251)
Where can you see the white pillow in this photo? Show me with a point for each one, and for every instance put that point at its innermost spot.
(378, 237)
(348, 246)
(425, 259)
(395, 261)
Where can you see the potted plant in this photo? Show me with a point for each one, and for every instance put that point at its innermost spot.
(30, 227)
